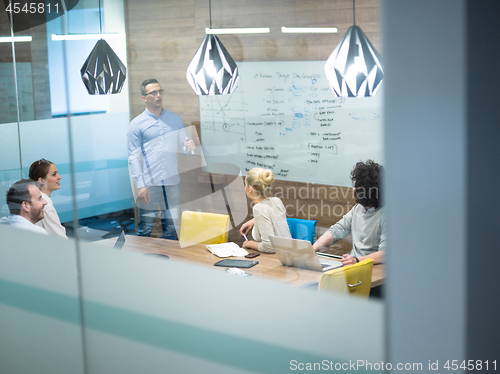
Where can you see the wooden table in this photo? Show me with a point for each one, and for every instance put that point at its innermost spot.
(269, 266)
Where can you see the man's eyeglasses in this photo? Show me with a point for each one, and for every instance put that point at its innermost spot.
(155, 93)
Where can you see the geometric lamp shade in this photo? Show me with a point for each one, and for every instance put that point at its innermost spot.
(212, 71)
(103, 72)
(354, 68)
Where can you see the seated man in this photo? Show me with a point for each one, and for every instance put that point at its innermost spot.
(26, 204)
(365, 221)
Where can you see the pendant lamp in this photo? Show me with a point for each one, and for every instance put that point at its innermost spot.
(103, 72)
(354, 68)
(212, 71)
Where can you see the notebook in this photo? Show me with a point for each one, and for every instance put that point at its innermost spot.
(226, 250)
(300, 254)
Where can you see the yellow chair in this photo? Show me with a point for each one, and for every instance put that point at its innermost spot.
(204, 228)
(353, 279)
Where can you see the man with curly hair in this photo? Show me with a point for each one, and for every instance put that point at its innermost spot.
(365, 221)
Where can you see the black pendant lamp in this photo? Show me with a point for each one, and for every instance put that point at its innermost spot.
(103, 72)
(212, 71)
(354, 69)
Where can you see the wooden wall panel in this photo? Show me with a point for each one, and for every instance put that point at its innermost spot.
(34, 52)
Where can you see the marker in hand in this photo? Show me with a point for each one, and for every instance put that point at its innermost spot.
(245, 237)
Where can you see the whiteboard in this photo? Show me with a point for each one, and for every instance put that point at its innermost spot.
(284, 116)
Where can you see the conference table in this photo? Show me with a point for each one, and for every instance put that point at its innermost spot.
(268, 267)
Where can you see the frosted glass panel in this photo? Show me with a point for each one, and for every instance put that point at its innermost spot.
(204, 316)
(102, 179)
(9, 162)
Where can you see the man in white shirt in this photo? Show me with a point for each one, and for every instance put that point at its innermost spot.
(365, 221)
(26, 204)
(154, 137)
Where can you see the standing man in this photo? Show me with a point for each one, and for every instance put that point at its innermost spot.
(25, 202)
(365, 221)
(154, 137)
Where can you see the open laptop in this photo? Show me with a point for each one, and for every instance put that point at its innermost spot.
(120, 241)
(300, 253)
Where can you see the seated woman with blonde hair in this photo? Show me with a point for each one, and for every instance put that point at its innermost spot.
(45, 174)
(269, 212)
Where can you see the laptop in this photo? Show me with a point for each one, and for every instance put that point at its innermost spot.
(120, 241)
(300, 254)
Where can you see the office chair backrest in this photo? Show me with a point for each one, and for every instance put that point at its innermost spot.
(204, 228)
(302, 229)
(353, 279)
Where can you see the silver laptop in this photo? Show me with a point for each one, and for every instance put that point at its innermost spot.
(300, 254)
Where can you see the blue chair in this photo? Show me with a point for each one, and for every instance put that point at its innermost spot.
(302, 229)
